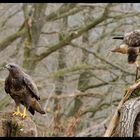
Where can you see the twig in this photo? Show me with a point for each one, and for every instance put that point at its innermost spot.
(100, 58)
(97, 95)
(76, 34)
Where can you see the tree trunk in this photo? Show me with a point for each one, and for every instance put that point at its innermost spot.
(60, 80)
(34, 22)
(83, 81)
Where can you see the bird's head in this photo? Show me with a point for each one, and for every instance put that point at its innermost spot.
(123, 48)
(13, 68)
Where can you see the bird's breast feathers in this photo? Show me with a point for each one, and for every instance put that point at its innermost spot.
(17, 87)
(17, 84)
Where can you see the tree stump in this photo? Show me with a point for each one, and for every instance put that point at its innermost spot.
(129, 121)
(126, 119)
(16, 126)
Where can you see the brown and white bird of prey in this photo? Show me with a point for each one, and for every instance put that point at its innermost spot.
(131, 45)
(23, 90)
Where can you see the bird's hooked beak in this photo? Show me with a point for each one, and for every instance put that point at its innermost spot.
(7, 66)
(121, 49)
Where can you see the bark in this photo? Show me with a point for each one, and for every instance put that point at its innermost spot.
(114, 121)
(122, 123)
(129, 119)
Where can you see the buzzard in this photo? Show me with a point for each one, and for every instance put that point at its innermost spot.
(131, 45)
(23, 90)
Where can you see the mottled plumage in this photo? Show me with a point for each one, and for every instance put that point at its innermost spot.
(132, 39)
(22, 89)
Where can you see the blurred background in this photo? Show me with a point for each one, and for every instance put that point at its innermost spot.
(65, 47)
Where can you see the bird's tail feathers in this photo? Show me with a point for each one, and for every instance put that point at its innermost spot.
(37, 107)
(31, 110)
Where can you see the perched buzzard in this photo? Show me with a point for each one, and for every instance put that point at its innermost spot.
(131, 45)
(23, 90)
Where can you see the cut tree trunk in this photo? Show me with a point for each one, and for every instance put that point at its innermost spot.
(129, 121)
(125, 121)
(16, 126)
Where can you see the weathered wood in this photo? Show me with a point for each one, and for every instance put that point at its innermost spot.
(122, 123)
(132, 91)
(128, 124)
(15, 126)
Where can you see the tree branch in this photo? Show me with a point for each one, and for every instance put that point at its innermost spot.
(61, 12)
(64, 71)
(102, 59)
(74, 35)
(81, 94)
(101, 84)
(8, 40)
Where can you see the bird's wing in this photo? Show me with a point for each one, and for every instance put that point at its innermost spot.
(7, 85)
(31, 85)
(132, 38)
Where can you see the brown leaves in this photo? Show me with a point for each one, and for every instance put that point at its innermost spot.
(72, 125)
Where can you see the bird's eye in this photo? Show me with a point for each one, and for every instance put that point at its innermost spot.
(11, 66)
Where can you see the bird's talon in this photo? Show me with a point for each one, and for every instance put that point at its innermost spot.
(16, 113)
(23, 115)
(137, 80)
